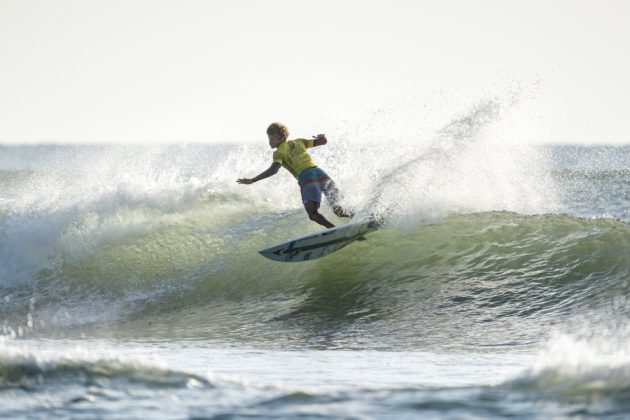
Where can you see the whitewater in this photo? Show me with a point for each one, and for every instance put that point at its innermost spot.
(131, 285)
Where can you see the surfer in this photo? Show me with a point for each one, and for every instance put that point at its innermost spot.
(313, 181)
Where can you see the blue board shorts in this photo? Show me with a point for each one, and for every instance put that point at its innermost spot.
(313, 182)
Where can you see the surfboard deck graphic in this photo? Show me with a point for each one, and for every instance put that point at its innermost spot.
(319, 244)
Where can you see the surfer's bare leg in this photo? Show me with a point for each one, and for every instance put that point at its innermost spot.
(314, 215)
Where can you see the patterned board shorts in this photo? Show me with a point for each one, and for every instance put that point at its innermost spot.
(313, 182)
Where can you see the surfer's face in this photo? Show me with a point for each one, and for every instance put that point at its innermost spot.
(275, 139)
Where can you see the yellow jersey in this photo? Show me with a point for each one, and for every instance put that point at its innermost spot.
(292, 155)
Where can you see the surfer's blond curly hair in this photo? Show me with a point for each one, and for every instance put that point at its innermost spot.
(278, 128)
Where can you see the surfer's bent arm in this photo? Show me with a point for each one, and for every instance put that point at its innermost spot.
(272, 170)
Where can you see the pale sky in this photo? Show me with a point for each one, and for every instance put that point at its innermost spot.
(221, 70)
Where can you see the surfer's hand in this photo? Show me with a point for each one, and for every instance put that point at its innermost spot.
(319, 140)
(246, 181)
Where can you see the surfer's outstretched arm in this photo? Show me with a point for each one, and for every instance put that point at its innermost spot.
(271, 171)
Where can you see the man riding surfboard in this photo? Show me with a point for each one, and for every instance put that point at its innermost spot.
(313, 181)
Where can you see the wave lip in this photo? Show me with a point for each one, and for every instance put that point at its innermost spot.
(590, 377)
(38, 371)
(601, 379)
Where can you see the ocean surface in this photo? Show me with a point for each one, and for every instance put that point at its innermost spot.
(131, 286)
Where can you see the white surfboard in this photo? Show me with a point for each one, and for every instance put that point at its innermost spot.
(319, 244)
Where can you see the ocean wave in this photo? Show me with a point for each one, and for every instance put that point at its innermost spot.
(205, 279)
(480, 236)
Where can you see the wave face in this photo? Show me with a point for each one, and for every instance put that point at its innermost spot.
(484, 241)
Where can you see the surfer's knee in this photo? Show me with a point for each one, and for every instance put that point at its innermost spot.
(311, 210)
(313, 214)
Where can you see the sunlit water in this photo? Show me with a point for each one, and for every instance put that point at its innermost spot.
(131, 286)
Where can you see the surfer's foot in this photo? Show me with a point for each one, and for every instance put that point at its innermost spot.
(341, 212)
